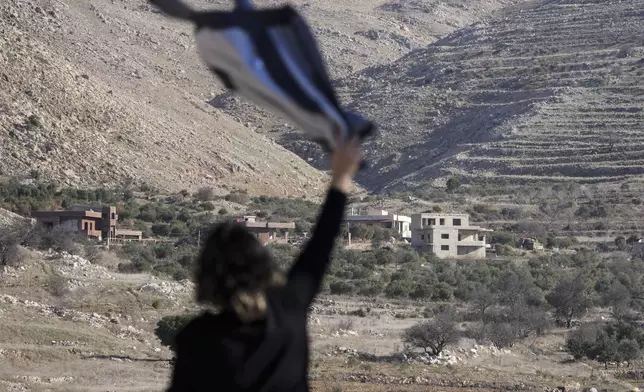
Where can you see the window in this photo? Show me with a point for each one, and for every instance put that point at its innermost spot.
(445, 236)
(422, 236)
(444, 247)
(113, 215)
(442, 221)
(457, 222)
(432, 222)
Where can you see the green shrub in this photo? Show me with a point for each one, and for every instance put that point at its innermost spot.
(238, 197)
(384, 256)
(303, 227)
(179, 229)
(161, 229)
(341, 287)
(398, 289)
(370, 287)
(443, 292)
(422, 291)
(580, 342)
(628, 350)
(453, 184)
(502, 237)
(148, 215)
(283, 254)
(205, 193)
(208, 206)
(563, 243)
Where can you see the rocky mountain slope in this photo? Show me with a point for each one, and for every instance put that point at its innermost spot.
(97, 94)
(548, 90)
(354, 35)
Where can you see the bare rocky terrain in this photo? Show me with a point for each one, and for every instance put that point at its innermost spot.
(99, 94)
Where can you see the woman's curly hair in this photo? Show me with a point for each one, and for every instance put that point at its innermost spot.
(234, 271)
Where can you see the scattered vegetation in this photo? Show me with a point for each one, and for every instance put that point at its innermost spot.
(617, 341)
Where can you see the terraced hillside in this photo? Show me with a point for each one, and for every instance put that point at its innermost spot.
(354, 35)
(548, 90)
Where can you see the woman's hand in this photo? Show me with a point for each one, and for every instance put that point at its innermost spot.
(345, 162)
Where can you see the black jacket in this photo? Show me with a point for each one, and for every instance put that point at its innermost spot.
(217, 352)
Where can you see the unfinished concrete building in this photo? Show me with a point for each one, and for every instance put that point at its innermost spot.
(448, 236)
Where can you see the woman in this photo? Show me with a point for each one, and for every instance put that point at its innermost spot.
(259, 340)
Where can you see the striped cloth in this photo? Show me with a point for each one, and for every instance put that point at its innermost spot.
(271, 57)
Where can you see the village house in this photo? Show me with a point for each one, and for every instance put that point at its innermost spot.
(382, 218)
(92, 221)
(448, 236)
(267, 232)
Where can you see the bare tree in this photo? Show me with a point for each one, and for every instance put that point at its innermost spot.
(501, 335)
(432, 336)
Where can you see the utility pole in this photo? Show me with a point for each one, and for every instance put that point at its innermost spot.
(198, 238)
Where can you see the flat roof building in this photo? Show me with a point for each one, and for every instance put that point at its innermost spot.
(382, 218)
(267, 232)
(448, 236)
(93, 221)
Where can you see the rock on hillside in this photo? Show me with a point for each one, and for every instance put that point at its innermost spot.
(9, 218)
(95, 94)
(547, 90)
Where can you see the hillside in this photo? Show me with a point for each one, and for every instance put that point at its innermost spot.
(99, 94)
(546, 90)
(355, 35)
(88, 96)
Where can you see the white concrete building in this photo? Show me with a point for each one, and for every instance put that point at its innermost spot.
(448, 236)
(382, 218)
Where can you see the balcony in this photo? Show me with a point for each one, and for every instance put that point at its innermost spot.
(471, 243)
